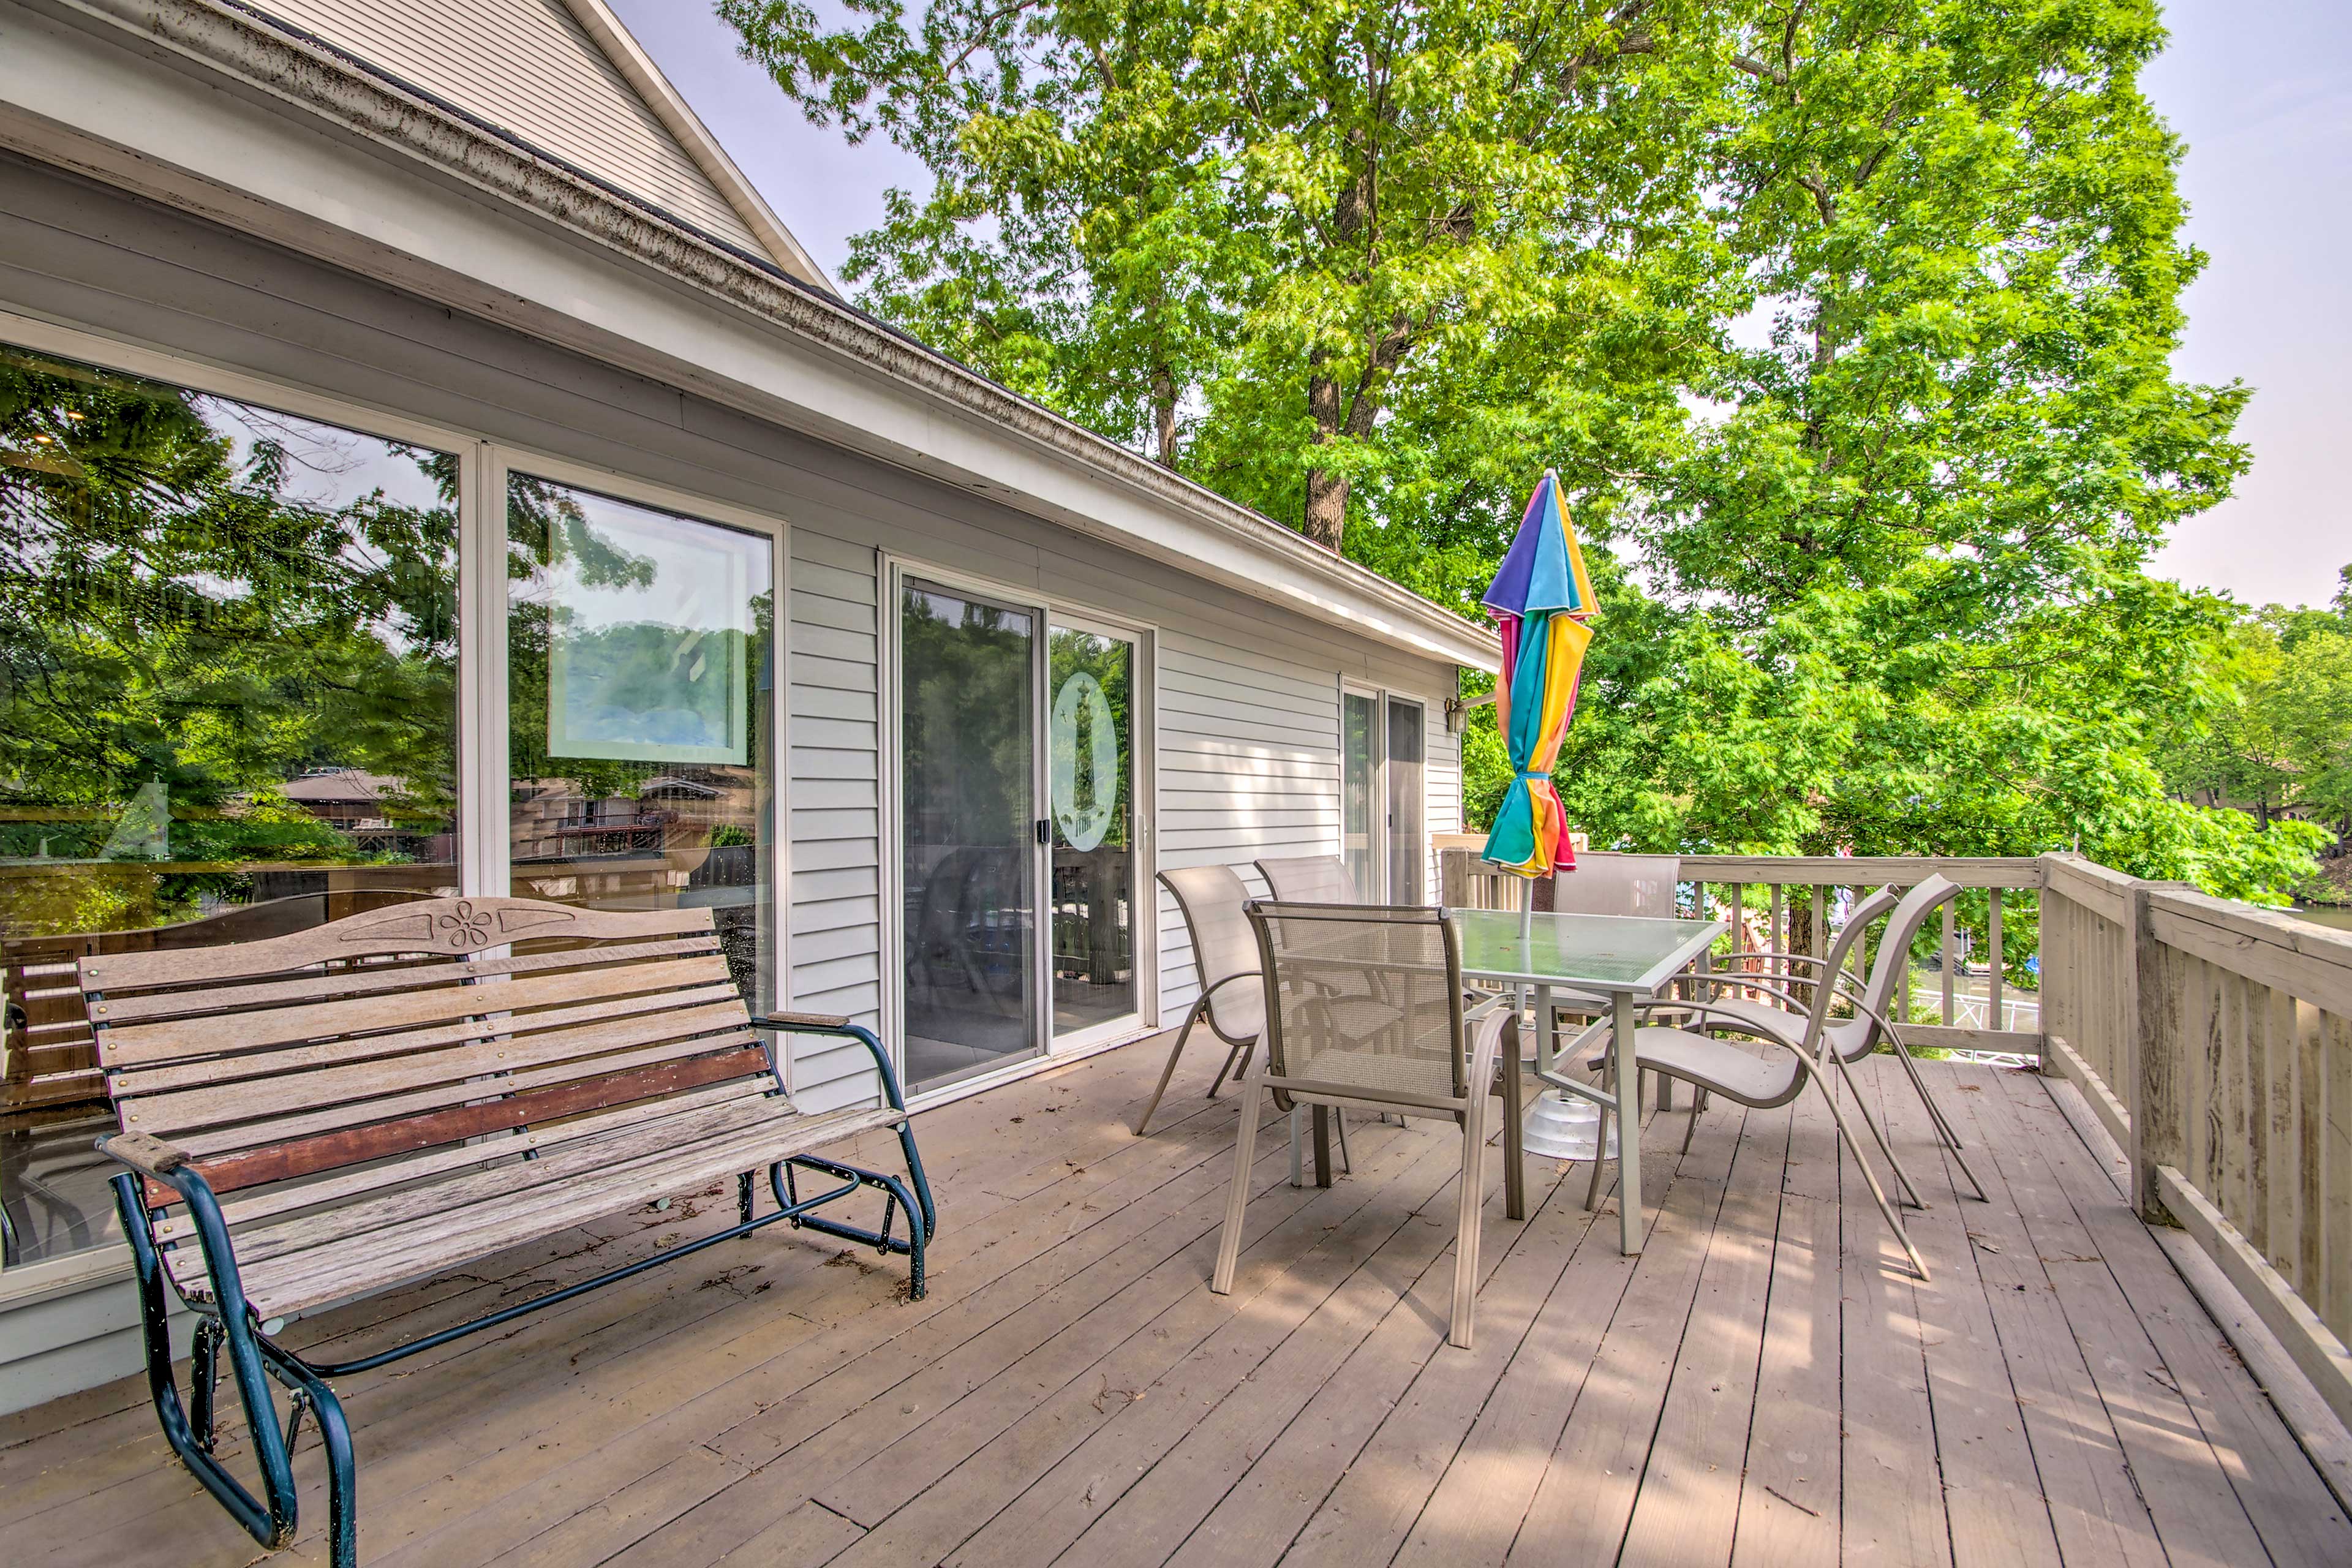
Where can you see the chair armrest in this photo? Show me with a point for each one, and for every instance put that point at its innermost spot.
(149, 1157)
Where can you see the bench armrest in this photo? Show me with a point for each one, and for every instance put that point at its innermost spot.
(149, 1157)
(173, 1168)
(831, 1023)
(803, 1023)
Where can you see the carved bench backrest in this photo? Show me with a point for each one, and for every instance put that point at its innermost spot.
(417, 1034)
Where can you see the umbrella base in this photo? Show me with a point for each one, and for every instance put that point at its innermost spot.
(1561, 1126)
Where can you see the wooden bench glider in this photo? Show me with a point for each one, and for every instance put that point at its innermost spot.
(388, 1097)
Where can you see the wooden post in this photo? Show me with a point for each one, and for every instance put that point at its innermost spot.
(2056, 949)
(1993, 1020)
(2158, 1075)
(1946, 960)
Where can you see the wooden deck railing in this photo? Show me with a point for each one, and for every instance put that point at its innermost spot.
(1790, 903)
(2213, 1040)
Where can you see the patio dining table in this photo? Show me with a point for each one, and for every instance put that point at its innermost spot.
(1625, 958)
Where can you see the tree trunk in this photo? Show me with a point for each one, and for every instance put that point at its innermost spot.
(1163, 416)
(1327, 493)
(1327, 508)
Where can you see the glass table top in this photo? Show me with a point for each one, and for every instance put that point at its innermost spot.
(1596, 952)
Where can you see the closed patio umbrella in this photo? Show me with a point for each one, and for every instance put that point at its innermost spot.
(1541, 600)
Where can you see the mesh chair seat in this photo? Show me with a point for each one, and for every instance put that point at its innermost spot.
(1849, 1037)
(1722, 1067)
(1381, 1073)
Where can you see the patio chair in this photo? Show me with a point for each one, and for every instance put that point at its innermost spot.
(1232, 1000)
(1612, 884)
(1330, 1041)
(1310, 879)
(1232, 996)
(1846, 1040)
(1762, 1082)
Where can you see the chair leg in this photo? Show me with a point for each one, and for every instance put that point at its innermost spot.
(1169, 1071)
(1339, 1125)
(1885, 1209)
(1600, 1143)
(1297, 1120)
(1467, 1222)
(1936, 1115)
(1237, 1061)
(1229, 1241)
(1698, 1103)
(1910, 1192)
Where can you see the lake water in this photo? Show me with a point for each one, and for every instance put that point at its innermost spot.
(2336, 915)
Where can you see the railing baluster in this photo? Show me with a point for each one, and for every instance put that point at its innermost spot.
(2333, 1299)
(1993, 1020)
(1739, 930)
(1777, 968)
(1949, 946)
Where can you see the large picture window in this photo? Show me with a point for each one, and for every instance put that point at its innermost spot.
(228, 709)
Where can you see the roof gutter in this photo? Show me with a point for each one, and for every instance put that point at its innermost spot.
(223, 38)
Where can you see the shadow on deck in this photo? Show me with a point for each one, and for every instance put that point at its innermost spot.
(1764, 1385)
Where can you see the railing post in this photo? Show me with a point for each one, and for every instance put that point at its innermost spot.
(2054, 946)
(2158, 1072)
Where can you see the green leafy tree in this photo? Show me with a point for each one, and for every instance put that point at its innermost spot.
(1848, 328)
(1287, 242)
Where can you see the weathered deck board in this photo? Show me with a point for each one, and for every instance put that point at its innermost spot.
(1070, 1392)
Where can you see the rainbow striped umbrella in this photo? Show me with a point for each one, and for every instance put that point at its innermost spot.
(1541, 599)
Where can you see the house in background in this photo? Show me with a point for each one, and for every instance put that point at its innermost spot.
(703, 585)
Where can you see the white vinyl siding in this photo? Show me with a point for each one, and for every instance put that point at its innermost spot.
(833, 804)
(528, 67)
(1249, 769)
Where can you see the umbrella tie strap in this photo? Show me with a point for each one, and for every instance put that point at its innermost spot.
(1535, 772)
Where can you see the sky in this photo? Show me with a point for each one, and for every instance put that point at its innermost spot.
(2261, 94)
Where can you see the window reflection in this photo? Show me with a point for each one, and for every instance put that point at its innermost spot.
(639, 692)
(228, 711)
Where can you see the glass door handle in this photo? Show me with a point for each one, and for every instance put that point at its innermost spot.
(1046, 831)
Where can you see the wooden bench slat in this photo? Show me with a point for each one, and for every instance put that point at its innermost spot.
(135, 1082)
(456, 927)
(221, 1143)
(389, 1258)
(249, 1030)
(253, 1101)
(351, 1145)
(256, 1204)
(438, 1203)
(123, 1006)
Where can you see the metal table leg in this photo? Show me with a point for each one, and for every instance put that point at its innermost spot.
(1629, 1136)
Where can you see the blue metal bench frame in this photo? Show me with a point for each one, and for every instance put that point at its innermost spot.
(227, 1323)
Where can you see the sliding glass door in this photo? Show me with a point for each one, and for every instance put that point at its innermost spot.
(1383, 806)
(1408, 838)
(968, 795)
(1020, 831)
(1090, 758)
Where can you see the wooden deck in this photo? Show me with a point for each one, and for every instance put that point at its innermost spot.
(1765, 1385)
